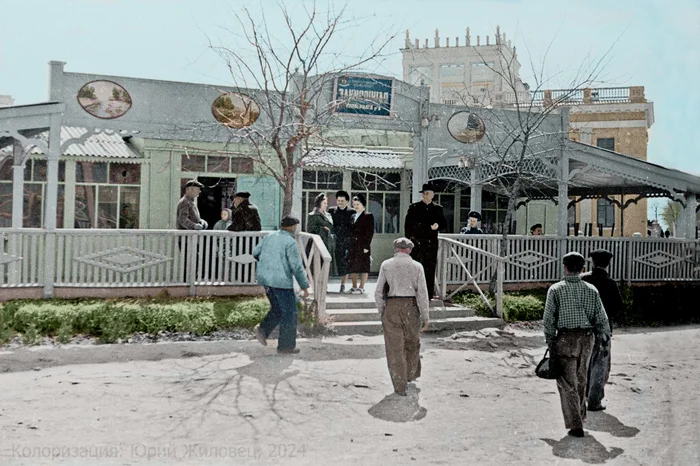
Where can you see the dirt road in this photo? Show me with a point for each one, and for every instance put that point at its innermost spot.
(239, 403)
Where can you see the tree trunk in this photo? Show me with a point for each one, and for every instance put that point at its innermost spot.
(288, 190)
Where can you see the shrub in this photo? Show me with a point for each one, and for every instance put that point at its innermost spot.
(247, 313)
(520, 305)
(30, 335)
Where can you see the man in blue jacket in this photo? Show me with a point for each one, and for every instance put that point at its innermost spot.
(279, 263)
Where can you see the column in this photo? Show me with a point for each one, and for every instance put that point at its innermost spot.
(17, 184)
(51, 203)
(69, 196)
(563, 196)
(420, 163)
(689, 216)
(476, 190)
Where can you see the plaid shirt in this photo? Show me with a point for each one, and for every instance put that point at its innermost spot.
(578, 306)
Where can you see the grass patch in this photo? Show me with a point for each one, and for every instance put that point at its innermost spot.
(112, 320)
(517, 305)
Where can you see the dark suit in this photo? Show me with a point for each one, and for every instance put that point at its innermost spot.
(419, 218)
(342, 228)
(362, 234)
(599, 367)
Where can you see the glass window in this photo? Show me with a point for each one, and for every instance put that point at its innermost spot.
(39, 170)
(447, 201)
(606, 212)
(6, 168)
(129, 213)
(308, 179)
(322, 180)
(392, 213)
(572, 214)
(84, 206)
(193, 163)
(376, 182)
(91, 172)
(375, 206)
(450, 71)
(32, 205)
(241, 165)
(606, 143)
(217, 164)
(124, 173)
(107, 207)
(5, 205)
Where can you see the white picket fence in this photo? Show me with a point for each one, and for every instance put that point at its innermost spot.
(538, 258)
(81, 258)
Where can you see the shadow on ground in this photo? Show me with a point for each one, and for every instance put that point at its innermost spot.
(600, 421)
(587, 449)
(397, 408)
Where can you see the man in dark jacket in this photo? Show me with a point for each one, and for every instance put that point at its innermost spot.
(245, 215)
(423, 221)
(342, 215)
(599, 368)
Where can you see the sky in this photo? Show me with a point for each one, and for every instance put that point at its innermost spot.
(651, 43)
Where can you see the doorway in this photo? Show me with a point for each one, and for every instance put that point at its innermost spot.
(217, 194)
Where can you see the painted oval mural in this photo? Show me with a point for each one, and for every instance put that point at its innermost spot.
(104, 99)
(235, 110)
(466, 127)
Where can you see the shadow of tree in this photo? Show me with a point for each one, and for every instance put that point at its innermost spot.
(586, 449)
(397, 408)
(601, 421)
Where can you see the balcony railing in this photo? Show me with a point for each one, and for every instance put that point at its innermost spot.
(547, 97)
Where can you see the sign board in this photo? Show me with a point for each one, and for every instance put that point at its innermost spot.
(363, 95)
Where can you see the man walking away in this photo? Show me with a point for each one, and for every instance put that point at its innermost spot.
(342, 215)
(279, 263)
(402, 300)
(599, 369)
(573, 313)
(424, 220)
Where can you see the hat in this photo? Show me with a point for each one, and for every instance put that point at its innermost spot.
(243, 194)
(428, 187)
(403, 243)
(535, 226)
(361, 198)
(342, 193)
(601, 257)
(574, 261)
(475, 215)
(194, 183)
(289, 221)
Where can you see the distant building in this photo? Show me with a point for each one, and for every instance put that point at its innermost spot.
(6, 101)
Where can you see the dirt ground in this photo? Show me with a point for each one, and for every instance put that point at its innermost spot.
(237, 402)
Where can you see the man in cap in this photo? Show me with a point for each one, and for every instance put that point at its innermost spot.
(573, 314)
(403, 303)
(187, 213)
(423, 221)
(245, 215)
(599, 368)
(472, 227)
(536, 229)
(279, 263)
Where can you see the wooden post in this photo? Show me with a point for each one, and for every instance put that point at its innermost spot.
(499, 288)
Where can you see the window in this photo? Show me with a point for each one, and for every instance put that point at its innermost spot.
(447, 201)
(383, 198)
(571, 215)
(493, 212)
(376, 181)
(606, 143)
(193, 163)
(215, 164)
(452, 71)
(606, 212)
(107, 195)
(322, 180)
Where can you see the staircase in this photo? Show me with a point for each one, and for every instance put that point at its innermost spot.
(355, 314)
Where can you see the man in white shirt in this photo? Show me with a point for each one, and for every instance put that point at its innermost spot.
(403, 303)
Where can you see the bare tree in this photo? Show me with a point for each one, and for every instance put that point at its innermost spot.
(293, 69)
(519, 142)
(670, 214)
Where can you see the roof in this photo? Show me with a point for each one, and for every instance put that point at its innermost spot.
(355, 159)
(104, 144)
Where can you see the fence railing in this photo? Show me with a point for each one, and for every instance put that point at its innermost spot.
(144, 258)
(538, 258)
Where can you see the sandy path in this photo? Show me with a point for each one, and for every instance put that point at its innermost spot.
(240, 403)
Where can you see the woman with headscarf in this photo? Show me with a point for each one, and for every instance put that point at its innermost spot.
(320, 223)
(360, 251)
(225, 221)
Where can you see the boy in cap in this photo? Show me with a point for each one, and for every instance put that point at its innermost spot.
(424, 220)
(599, 369)
(403, 303)
(279, 263)
(472, 227)
(573, 314)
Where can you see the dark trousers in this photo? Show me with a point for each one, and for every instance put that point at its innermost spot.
(427, 256)
(598, 373)
(572, 351)
(401, 323)
(283, 312)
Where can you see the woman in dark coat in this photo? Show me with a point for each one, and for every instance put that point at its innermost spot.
(360, 251)
(320, 223)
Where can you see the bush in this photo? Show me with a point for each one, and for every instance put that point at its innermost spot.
(517, 306)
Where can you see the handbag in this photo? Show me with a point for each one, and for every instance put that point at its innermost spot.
(545, 369)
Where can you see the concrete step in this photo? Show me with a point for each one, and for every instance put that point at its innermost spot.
(374, 327)
(362, 314)
(354, 301)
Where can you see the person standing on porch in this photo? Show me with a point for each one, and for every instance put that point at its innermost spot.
(225, 221)
(320, 223)
(472, 227)
(360, 249)
(536, 229)
(403, 304)
(245, 216)
(424, 220)
(187, 218)
(599, 369)
(342, 215)
(279, 263)
(573, 313)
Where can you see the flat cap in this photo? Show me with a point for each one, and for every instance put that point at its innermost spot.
(194, 183)
(288, 221)
(403, 243)
(243, 194)
(574, 260)
(474, 214)
(601, 254)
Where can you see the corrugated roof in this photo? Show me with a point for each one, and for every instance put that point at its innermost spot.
(103, 144)
(354, 159)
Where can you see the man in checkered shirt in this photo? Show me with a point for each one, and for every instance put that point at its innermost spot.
(573, 313)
